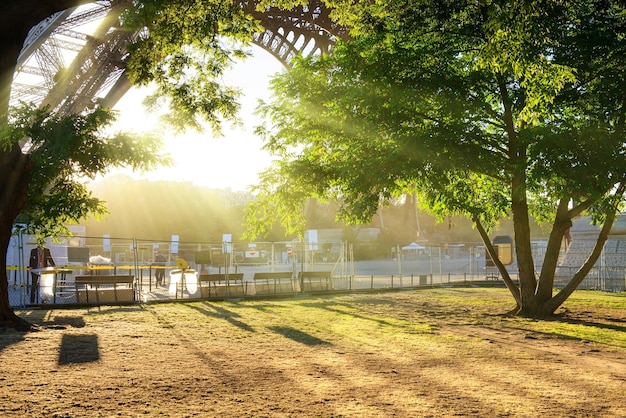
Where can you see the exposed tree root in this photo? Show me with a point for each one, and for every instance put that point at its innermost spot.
(13, 321)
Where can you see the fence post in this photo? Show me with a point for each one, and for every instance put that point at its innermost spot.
(471, 260)
(138, 277)
(440, 265)
(399, 254)
(351, 254)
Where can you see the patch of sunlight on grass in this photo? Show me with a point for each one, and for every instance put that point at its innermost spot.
(475, 301)
(605, 334)
(597, 298)
(410, 319)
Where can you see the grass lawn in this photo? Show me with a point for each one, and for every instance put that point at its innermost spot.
(420, 353)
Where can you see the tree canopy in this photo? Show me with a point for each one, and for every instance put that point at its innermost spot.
(45, 161)
(183, 49)
(484, 108)
(66, 151)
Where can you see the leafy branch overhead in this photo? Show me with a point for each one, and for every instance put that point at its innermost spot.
(487, 109)
(183, 50)
(63, 152)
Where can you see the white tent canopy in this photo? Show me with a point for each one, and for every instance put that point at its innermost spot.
(413, 247)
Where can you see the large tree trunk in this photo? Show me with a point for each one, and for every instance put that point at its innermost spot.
(15, 169)
(501, 268)
(517, 155)
(523, 250)
(562, 222)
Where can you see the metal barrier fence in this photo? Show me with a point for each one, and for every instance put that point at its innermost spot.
(607, 279)
(117, 270)
(182, 284)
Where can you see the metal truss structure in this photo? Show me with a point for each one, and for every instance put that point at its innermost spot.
(75, 59)
(305, 30)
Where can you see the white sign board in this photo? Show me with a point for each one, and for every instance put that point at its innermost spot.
(227, 243)
(174, 245)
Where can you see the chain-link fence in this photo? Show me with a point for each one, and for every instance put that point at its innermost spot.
(127, 270)
(96, 270)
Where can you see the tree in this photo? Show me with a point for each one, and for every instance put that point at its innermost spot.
(179, 51)
(484, 108)
(62, 151)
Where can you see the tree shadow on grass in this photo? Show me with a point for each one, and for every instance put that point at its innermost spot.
(63, 322)
(221, 313)
(347, 309)
(82, 348)
(298, 336)
(108, 309)
(580, 321)
(9, 336)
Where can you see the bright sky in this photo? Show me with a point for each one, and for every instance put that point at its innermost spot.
(232, 161)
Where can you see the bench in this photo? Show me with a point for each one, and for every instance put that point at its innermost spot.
(266, 283)
(220, 285)
(105, 289)
(315, 281)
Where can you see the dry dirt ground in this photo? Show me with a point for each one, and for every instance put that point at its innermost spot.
(429, 353)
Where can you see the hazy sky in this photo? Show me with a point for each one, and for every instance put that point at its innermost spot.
(230, 161)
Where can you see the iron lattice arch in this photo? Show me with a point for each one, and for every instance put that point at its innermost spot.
(70, 66)
(306, 30)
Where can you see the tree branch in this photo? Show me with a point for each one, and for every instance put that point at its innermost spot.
(494, 256)
(580, 208)
(562, 222)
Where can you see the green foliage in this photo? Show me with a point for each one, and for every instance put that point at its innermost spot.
(276, 200)
(485, 108)
(64, 151)
(470, 102)
(184, 49)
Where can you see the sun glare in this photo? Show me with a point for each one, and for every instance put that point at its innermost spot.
(232, 161)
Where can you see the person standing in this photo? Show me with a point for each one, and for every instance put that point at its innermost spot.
(159, 273)
(40, 257)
